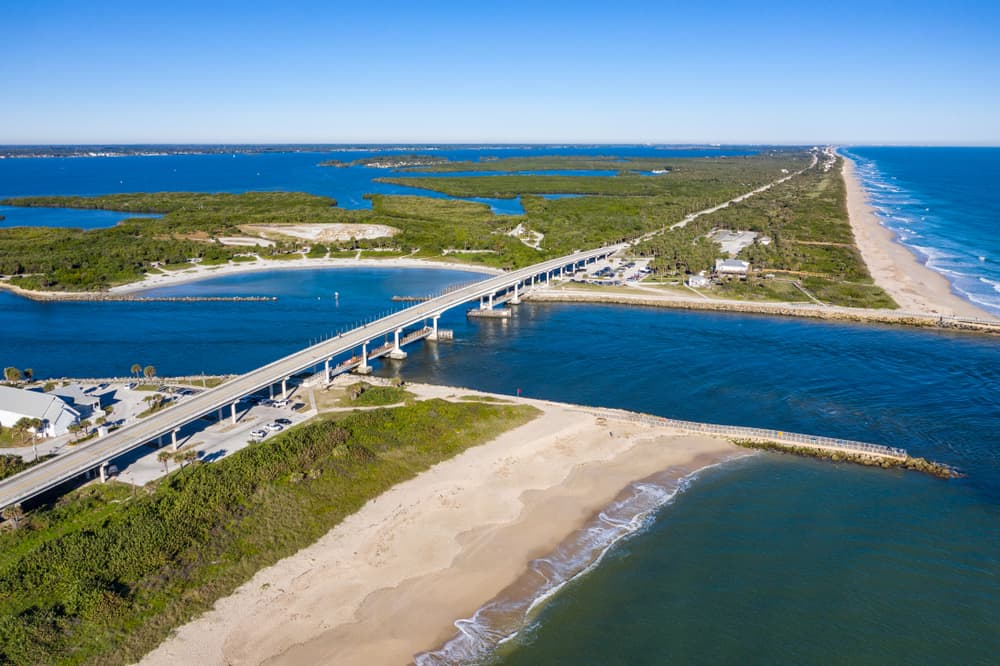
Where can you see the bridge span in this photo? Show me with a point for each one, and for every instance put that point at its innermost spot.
(95, 455)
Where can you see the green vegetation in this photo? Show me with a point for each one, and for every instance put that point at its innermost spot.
(805, 217)
(484, 398)
(700, 182)
(104, 575)
(74, 259)
(363, 394)
(392, 161)
(811, 244)
(11, 465)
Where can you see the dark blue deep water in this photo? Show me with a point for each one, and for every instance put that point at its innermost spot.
(944, 204)
(769, 559)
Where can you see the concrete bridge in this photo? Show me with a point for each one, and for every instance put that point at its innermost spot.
(94, 456)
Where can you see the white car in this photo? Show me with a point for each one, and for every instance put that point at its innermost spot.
(280, 403)
(260, 433)
(274, 427)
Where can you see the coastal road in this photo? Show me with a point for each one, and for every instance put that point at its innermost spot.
(91, 456)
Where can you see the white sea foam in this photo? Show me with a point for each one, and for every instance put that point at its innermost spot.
(503, 618)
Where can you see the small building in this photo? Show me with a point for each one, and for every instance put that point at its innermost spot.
(698, 281)
(54, 413)
(87, 402)
(732, 267)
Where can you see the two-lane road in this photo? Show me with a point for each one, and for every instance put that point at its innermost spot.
(90, 456)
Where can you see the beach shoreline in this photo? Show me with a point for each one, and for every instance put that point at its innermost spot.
(893, 266)
(199, 273)
(391, 580)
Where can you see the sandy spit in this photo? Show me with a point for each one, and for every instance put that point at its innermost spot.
(390, 581)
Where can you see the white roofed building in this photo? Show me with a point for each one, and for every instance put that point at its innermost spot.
(55, 414)
(732, 267)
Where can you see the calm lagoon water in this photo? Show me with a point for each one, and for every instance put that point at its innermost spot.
(769, 559)
(296, 172)
(62, 217)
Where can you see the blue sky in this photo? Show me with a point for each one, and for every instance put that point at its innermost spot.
(728, 72)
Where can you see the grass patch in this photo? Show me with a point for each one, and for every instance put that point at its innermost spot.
(485, 398)
(363, 394)
(104, 576)
(243, 260)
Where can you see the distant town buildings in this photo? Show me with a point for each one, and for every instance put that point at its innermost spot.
(54, 412)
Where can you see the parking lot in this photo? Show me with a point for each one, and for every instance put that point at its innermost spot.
(213, 439)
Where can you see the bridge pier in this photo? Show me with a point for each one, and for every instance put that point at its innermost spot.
(103, 470)
(434, 329)
(326, 371)
(517, 299)
(233, 416)
(173, 439)
(284, 388)
(397, 352)
(364, 368)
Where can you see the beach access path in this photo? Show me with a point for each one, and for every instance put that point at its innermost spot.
(390, 581)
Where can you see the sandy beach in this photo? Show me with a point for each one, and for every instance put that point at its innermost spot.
(391, 580)
(896, 269)
(196, 273)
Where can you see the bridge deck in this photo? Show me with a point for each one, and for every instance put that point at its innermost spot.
(65, 467)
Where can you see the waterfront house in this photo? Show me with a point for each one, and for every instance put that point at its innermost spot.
(54, 413)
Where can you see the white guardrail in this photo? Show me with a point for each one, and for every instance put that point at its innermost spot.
(846, 445)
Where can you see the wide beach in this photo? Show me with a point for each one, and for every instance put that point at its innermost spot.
(392, 579)
(896, 269)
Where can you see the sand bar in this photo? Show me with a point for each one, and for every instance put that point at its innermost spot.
(914, 286)
(390, 581)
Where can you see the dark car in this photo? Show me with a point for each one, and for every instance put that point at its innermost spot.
(283, 421)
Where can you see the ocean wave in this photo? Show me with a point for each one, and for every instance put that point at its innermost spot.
(504, 617)
(992, 283)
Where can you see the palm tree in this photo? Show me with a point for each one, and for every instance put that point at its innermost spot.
(164, 457)
(136, 369)
(188, 456)
(21, 427)
(13, 513)
(11, 374)
(149, 371)
(29, 374)
(36, 425)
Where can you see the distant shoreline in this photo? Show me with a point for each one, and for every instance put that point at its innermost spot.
(895, 267)
(199, 273)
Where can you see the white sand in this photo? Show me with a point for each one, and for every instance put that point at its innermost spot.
(391, 579)
(895, 268)
(206, 272)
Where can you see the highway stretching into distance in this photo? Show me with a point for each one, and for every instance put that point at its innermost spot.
(93, 455)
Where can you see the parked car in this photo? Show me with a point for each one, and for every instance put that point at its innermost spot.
(274, 427)
(280, 403)
(283, 421)
(259, 433)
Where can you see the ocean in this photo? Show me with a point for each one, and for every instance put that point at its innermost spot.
(768, 558)
(943, 204)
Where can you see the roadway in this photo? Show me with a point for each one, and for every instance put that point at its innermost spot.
(92, 455)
